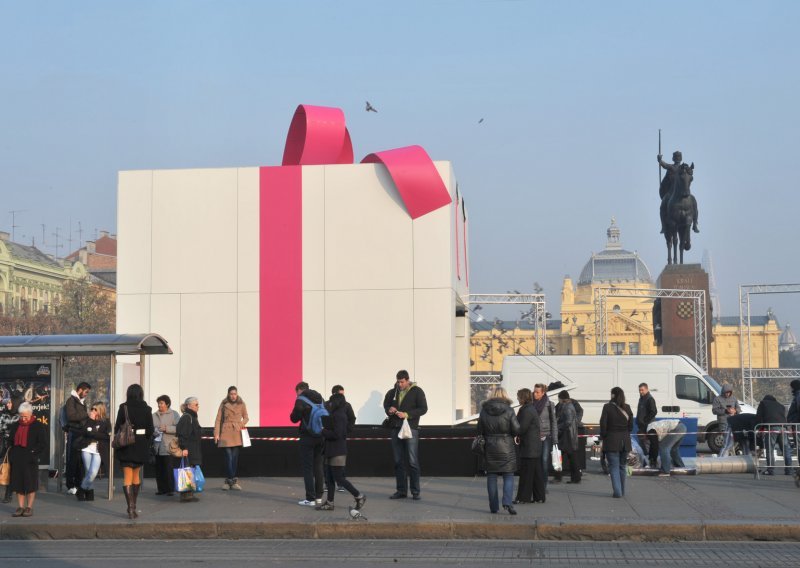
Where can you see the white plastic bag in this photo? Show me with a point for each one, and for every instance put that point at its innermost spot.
(405, 431)
(556, 457)
(246, 443)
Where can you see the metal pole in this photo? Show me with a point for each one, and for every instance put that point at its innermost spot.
(111, 411)
(659, 153)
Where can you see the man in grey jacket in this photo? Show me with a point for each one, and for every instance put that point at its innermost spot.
(723, 406)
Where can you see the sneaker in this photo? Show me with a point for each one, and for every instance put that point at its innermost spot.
(767, 472)
(416, 497)
(307, 503)
(72, 490)
(360, 500)
(225, 486)
(235, 486)
(397, 495)
(326, 506)
(663, 474)
(340, 489)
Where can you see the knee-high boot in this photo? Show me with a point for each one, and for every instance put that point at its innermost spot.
(129, 499)
(135, 498)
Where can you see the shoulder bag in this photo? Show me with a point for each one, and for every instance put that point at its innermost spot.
(126, 436)
(5, 471)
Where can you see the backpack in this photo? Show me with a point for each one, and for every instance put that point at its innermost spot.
(62, 419)
(318, 411)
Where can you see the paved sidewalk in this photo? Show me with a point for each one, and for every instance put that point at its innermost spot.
(711, 507)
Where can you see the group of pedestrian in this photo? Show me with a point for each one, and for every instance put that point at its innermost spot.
(323, 427)
(522, 443)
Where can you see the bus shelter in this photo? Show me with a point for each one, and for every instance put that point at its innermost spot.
(33, 368)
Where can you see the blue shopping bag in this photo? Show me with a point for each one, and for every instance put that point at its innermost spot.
(199, 479)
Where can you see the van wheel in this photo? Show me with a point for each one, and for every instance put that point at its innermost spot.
(715, 439)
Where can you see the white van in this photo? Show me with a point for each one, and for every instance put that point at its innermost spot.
(679, 386)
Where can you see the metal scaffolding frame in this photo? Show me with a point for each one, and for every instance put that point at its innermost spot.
(602, 294)
(537, 315)
(745, 352)
(485, 379)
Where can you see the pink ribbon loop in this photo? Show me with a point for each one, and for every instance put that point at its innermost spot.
(416, 178)
(318, 136)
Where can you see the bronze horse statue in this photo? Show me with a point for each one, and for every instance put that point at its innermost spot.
(678, 208)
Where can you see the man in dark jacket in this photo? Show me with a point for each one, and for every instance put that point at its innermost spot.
(793, 415)
(351, 421)
(311, 446)
(646, 412)
(405, 401)
(77, 415)
(770, 411)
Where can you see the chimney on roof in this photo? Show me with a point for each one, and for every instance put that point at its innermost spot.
(5, 236)
(90, 247)
(103, 234)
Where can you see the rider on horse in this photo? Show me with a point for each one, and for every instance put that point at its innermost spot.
(674, 176)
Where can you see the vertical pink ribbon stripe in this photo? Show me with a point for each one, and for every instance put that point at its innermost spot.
(420, 186)
(281, 291)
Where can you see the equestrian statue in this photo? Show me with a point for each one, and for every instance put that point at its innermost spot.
(678, 207)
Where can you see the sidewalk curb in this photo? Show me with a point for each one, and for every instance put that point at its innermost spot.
(567, 530)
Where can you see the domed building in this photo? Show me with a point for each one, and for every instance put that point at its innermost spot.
(630, 327)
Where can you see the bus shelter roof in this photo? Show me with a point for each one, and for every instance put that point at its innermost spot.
(83, 344)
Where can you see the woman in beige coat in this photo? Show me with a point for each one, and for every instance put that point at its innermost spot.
(231, 418)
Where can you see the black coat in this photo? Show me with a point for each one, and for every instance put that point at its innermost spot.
(498, 425)
(414, 403)
(141, 417)
(770, 411)
(646, 411)
(567, 426)
(77, 415)
(615, 430)
(302, 412)
(189, 436)
(334, 431)
(37, 442)
(95, 431)
(530, 443)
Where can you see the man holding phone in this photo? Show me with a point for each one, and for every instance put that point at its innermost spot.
(723, 406)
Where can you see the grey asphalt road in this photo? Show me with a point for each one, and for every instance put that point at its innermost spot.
(340, 553)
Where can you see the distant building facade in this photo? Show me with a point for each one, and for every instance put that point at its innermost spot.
(630, 321)
(30, 280)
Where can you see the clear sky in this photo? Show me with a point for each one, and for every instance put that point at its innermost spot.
(572, 95)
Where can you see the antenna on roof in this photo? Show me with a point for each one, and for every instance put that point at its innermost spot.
(69, 237)
(14, 222)
(57, 245)
(44, 242)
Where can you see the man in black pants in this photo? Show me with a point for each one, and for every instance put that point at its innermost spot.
(646, 412)
(77, 415)
(311, 446)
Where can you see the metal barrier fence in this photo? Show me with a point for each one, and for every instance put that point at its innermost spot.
(772, 435)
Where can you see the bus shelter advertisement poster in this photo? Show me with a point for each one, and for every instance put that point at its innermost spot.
(29, 382)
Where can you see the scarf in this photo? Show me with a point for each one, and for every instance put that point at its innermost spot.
(540, 404)
(21, 437)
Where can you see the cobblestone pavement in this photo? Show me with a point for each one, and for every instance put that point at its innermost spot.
(405, 553)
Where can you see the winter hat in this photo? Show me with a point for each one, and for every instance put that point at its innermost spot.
(563, 395)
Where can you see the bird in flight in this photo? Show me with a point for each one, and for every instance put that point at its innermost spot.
(480, 121)
(370, 108)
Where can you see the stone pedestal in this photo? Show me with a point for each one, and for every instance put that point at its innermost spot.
(677, 315)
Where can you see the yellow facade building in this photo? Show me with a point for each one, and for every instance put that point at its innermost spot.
(630, 320)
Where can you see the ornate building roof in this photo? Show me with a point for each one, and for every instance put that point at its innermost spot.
(614, 263)
(788, 340)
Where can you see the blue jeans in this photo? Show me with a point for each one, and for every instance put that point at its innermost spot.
(618, 468)
(406, 461)
(231, 461)
(91, 463)
(508, 490)
(727, 446)
(547, 446)
(669, 449)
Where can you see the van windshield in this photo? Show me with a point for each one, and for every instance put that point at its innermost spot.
(715, 386)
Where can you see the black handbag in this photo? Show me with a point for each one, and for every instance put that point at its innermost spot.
(125, 436)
